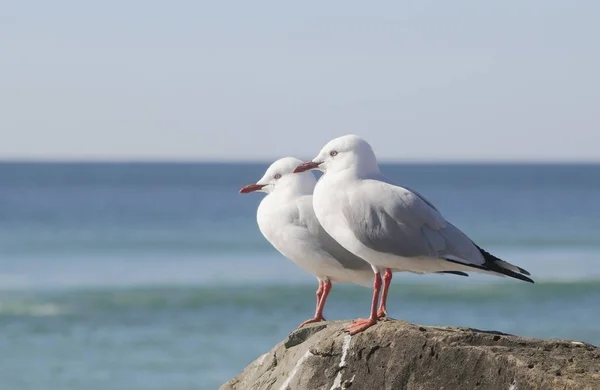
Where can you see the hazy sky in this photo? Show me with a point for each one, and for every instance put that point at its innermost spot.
(247, 80)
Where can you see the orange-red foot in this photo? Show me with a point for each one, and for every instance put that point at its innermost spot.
(312, 320)
(381, 313)
(359, 325)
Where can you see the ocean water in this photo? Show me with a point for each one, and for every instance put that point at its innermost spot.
(155, 276)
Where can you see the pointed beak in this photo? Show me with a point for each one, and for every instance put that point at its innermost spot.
(251, 188)
(307, 166)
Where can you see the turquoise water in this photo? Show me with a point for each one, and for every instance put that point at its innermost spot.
(154, 276)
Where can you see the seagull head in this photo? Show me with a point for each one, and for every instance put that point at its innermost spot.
(345, 152)
(279, 178)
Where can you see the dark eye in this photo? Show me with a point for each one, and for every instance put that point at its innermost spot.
(333, 153)
(277, 176)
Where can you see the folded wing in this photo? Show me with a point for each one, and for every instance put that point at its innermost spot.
(392, 219)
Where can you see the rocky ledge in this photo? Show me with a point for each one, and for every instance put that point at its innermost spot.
(399, 355)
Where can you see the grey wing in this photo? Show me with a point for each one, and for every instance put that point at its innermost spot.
(384, 179)
(392, 219)
(329, 244)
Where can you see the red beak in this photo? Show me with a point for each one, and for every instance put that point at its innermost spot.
(307, 166)
(251, 188)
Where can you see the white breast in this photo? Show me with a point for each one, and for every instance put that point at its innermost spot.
(327, 203)
(280, 224)
(329, 200)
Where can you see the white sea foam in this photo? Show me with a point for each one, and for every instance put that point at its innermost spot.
(31, 310)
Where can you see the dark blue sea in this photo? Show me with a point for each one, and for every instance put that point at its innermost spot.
(155, 276)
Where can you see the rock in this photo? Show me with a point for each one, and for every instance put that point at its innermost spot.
(399, 355)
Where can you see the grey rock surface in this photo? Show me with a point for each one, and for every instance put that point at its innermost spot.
(399, 355)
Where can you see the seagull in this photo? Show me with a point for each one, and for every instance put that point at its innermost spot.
(393, 228)
(286, 219)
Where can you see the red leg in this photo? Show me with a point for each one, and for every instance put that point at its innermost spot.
(319, 293)
(322, 293)
(387, 279)
(363, 323)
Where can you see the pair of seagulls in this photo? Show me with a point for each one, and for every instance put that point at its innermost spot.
(354, 226)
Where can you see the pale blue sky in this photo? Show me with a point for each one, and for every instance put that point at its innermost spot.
(179, 80)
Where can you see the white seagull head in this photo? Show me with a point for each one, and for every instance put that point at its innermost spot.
(279, 178)
(345, 152)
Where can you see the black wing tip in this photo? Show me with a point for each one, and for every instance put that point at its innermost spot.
(516, 276)
(490, 263)
(523, 271)
(493, 267)
(459, 273)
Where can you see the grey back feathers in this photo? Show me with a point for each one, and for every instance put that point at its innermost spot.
(402, 223)
(406, 224)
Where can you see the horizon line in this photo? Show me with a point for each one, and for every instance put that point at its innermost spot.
(174, 161)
